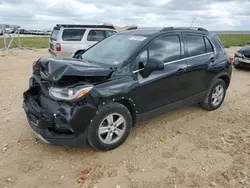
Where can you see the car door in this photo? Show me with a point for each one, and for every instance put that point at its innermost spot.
(164, 87)
(71, 40)
(95, 36)
(200, 55)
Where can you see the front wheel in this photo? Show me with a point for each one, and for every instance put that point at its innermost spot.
(215, 95)
(111, 127)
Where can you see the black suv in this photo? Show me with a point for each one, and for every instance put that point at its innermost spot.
(124, 79)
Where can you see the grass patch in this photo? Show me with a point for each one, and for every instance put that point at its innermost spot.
(29, 42)
(42, 42)
(234, 40)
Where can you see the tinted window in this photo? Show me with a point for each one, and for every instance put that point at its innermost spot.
(166, 49)
(209, 47)
(96, 35)
(54, 34)
(195, 45)
(73, 34)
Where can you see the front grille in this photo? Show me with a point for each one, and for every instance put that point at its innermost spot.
(34, 106)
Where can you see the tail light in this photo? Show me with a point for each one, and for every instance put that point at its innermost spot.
(231, 59)
(58, 47)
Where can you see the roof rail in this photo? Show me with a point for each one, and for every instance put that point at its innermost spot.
(87, 26)
(184, 28)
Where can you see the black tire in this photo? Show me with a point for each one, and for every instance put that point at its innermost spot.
(207, 103)
(102, 113)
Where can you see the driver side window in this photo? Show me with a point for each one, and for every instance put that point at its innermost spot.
(143, 59)
(164, 49)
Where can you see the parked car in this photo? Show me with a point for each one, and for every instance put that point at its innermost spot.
(124, 79)
(69, 40)
(242, 57)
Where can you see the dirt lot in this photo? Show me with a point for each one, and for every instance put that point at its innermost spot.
(200, 148)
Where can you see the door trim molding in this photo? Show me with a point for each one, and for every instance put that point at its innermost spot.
(183, 59)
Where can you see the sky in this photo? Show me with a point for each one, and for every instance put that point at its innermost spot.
(211, 14)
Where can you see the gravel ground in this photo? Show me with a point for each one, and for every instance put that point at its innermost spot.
(188, 147)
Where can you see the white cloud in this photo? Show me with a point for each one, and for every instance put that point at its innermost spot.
(211, 14)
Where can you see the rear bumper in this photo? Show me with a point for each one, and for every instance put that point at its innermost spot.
(63, 125)
(59, 54)
(52, 53)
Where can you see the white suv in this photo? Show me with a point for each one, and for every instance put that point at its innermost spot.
(69, 40)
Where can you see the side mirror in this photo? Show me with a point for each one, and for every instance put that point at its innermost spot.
(248, 43)
(152, 65)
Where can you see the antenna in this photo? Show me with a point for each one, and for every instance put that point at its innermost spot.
(192, 22)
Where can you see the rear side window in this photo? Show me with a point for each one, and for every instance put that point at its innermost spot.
(195, 45)
(54, 34)
(73, 34)
(209, 47)
(218, 39)
(96, 35)
(166, 49)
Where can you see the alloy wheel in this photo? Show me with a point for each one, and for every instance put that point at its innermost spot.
(112, 128)
(217, 95)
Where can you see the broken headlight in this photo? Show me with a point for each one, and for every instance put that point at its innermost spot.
(69, 93)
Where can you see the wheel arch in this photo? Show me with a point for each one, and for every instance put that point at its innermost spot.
(223, 76)
(131, 106)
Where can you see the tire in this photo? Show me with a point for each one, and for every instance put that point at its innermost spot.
(113, 109)
(209, 102)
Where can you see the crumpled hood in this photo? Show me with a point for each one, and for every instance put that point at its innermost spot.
(54, 69)
(245, 50)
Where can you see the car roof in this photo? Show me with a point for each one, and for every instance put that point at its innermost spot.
(160, 30)
(92, 28)
(71, 26)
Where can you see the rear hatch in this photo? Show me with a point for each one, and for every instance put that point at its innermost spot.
(53, 38)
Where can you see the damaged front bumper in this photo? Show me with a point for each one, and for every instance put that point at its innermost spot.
(57, 122)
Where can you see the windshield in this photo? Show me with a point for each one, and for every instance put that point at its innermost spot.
(114, 50)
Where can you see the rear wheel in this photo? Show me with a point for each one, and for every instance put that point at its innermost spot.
(111, 127)
(215, 95)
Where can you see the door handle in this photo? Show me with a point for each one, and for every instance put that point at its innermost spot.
(212, 60)
(180, 71)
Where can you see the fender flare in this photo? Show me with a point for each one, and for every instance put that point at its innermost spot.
(222, 76)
